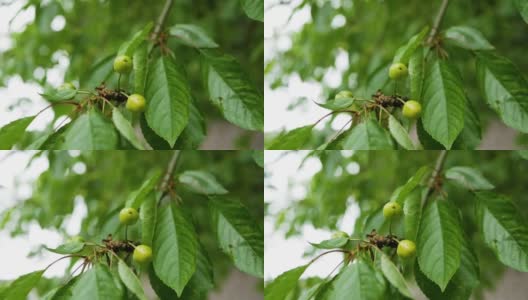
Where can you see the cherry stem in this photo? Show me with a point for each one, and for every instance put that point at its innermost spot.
(340, 130)
(328, 252)
(331, 113)
(64, 257)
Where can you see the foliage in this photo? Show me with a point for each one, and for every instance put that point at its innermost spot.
(206, 50)
(466, 70)
(195, 234)
(466, 213)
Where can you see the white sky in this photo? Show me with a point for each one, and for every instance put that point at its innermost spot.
(16, 184)
(277, 33)
(16, 88)
(287, 183)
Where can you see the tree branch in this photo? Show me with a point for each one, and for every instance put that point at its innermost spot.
(440, 160)
(162, 19)
(438, 21)
(169, 172)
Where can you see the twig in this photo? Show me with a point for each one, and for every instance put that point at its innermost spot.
(164, 185)
(436, 171)
(170, 170)
(438, 21)
(162, 19)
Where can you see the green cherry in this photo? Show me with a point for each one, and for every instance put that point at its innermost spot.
(128, 216)
(406, 249)
(339, 235)
(66, 86)
(344, 94)
(76, 239)
(123, 64)
(136, 103)
(397, 71)
(142, 254)
(391, 209)
(412, 109)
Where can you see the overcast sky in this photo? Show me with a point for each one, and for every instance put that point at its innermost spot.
(16, 88)
(277, 33)
(286, 182)
(16, 181)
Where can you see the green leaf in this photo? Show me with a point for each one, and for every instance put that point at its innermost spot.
(504, 87)
(63, 292)
(191, 137)
(416, 74)
(148, 214)
(291, 140)
(161, 289)
(412, 214)
(20, 288)
(231, 91)
(175, 247)
(368, 135)
(13, 132)
(393, 275)
(467, 37)
(443, 102)
(471, 135)
(400, 134)
(201, 182)
(192, 35)
(68, 248)
(168, 99)
(357, 281)
(99, 73)
(203, 278)
(56, 95)
(238, 235)
(90, 131)
(523, 154)
(282, 285)
(337, 104)
(522, 6)
(504, 229)
(97, 283)
(426, 140)
(404, 53)
(412, 183)
(50, 140)
(258, 157)
(331, 244)
(469, 178)
(130, 46)
(254, 9)
(201, 282)
(439, 242)
(130, 280)
(462, 283)
(136, 198)
(195, 131)
(140, 68)
(126, 129)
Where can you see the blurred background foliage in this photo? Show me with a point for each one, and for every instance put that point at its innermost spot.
(368, 179)
(94, 31)
(106, 183)
(368, 33)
